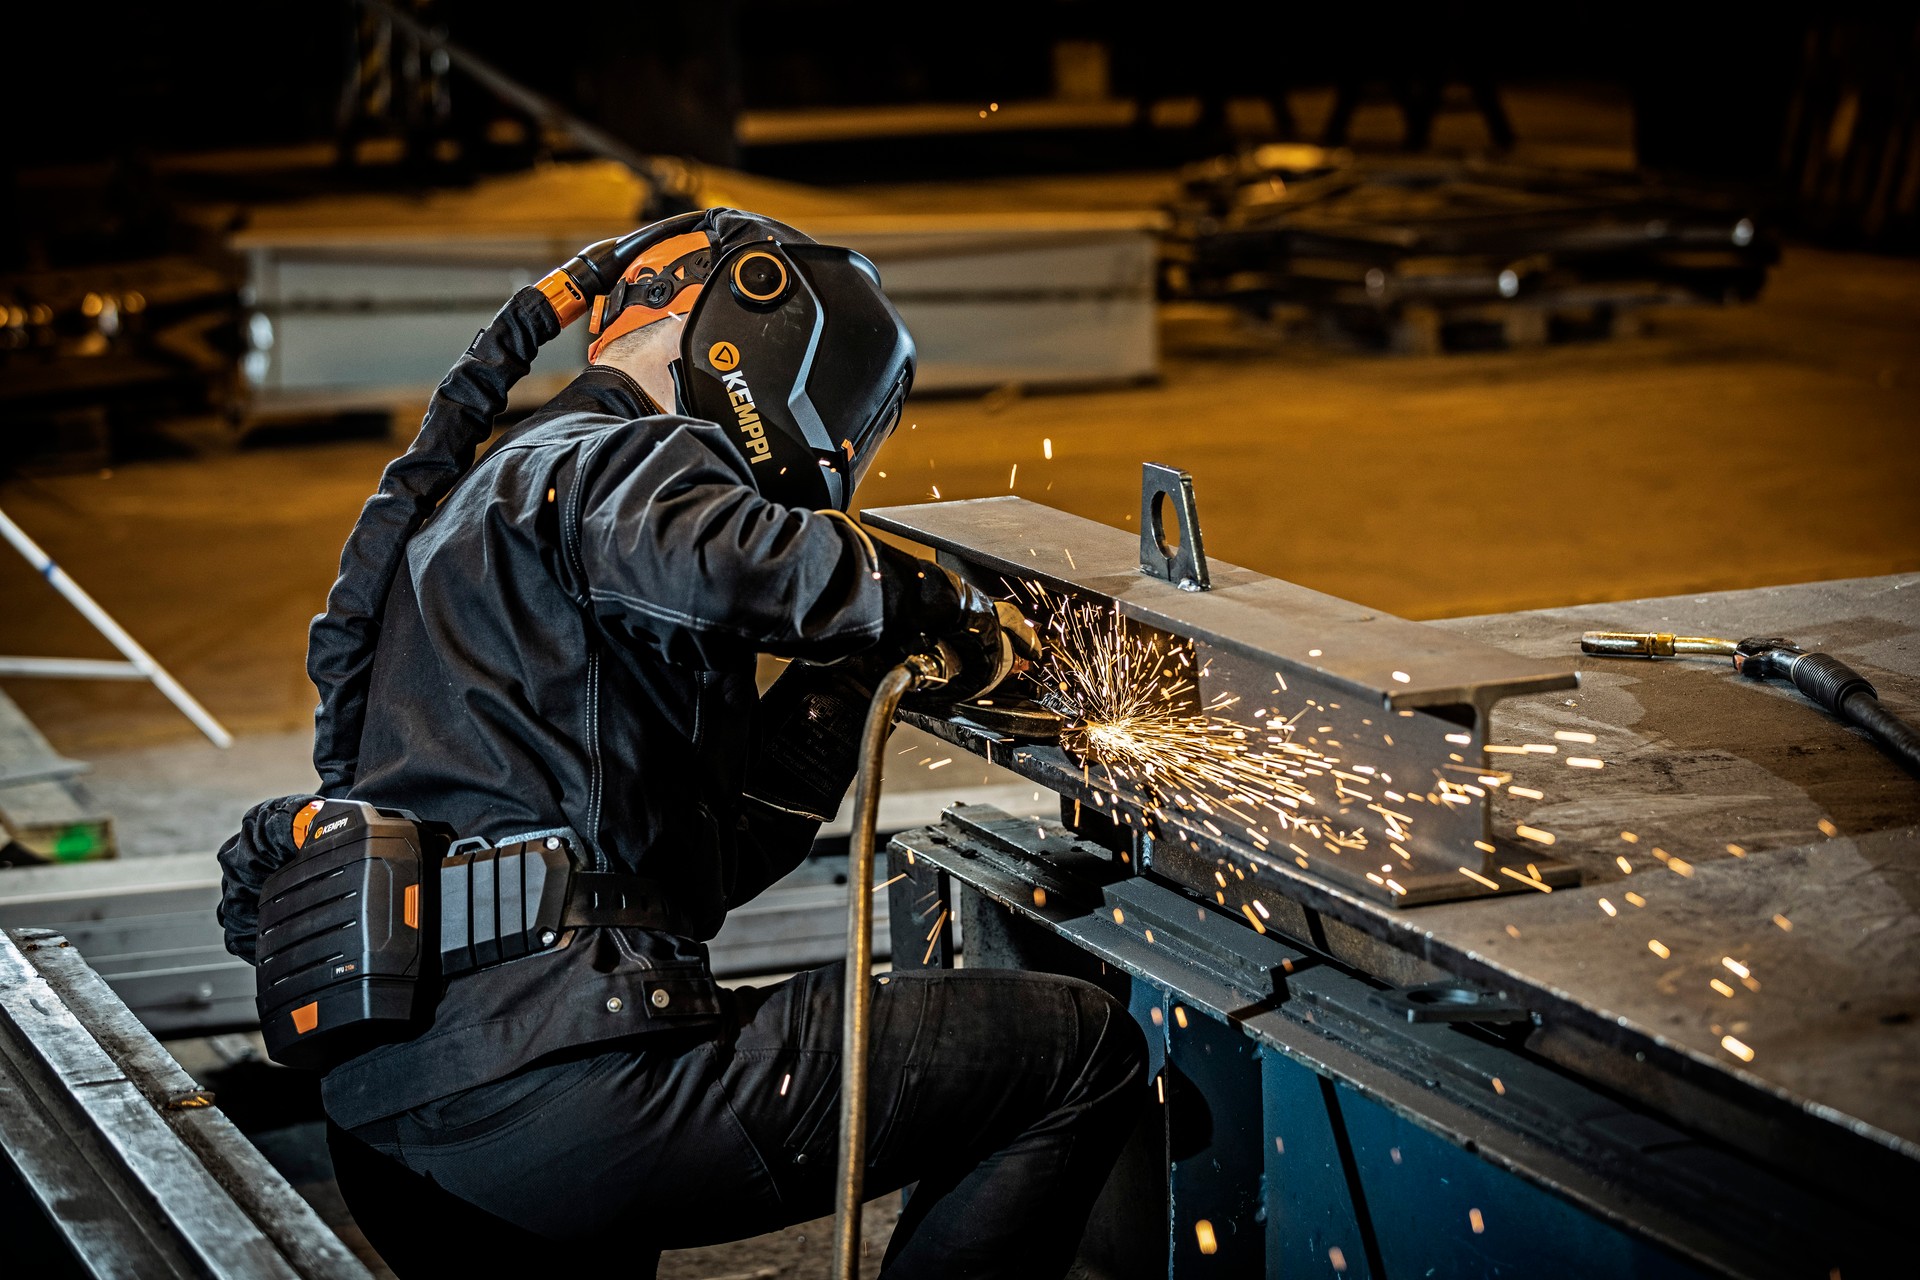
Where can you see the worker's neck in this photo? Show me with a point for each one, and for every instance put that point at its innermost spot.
(652, 373)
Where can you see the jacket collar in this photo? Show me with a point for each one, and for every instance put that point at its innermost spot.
(606, 389)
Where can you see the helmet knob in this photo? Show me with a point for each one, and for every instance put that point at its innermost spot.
(759, 278)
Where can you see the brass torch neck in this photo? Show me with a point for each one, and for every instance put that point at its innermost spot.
(1652, 644)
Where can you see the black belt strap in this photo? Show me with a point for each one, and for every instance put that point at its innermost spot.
(610, 900)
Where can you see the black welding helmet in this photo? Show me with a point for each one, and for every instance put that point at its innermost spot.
(789, 345)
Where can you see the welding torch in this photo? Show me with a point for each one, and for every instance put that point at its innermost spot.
(1825, 680)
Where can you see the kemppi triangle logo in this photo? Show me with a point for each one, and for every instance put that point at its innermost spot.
(725, 358)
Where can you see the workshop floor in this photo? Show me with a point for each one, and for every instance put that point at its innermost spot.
(1723, 448)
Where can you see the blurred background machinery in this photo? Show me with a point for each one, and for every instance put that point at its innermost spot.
(198, 258)
(1417, 252)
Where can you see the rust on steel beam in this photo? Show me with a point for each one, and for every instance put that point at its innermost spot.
(1400, 707)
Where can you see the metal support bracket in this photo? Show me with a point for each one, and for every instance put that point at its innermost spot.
(1183, 562)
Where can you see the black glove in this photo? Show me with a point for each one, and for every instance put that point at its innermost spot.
(263, 845)
(991, 642)
(928, 606)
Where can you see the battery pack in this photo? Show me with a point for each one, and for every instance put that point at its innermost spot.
(342, 948)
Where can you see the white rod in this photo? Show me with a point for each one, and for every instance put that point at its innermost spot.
(103, 623)
(71, 668)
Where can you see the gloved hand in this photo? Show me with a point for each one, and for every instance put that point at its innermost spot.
(263, 845)
(992, 641)
(927, 607)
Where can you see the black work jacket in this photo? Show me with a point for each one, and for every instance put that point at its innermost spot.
(571, 643)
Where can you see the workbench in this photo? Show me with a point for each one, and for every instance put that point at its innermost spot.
(1687, 1048)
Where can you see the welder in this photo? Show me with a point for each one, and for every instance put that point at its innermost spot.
(562, 637)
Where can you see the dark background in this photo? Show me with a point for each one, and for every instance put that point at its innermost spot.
(1738, 95)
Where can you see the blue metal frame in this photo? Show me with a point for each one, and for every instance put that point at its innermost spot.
(1293, 1173)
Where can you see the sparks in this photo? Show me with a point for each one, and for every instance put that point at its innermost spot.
(1131, 702)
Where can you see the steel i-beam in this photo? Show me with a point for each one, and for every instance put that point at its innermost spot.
(1396, 711)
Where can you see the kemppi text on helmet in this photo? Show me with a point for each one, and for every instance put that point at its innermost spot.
(788, 344)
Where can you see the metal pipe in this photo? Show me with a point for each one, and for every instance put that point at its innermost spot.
(70, 669)
(858, 1031)
(103, 623)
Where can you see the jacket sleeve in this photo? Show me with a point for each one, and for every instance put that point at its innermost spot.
(677, 550)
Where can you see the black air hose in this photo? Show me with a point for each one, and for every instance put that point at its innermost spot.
(1863, 710)
(460, 417)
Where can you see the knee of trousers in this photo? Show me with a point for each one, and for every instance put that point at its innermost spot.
(1113, 1048)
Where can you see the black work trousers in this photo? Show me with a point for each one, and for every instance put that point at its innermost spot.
(1005, 1095)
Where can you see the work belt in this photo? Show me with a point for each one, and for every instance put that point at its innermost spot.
(357, 929)
(499, 902)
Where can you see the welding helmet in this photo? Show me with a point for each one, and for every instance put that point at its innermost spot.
(787, 344)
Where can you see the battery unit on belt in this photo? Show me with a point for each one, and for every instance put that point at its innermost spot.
(355, 931)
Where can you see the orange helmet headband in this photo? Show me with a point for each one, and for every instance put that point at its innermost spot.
(664, 281)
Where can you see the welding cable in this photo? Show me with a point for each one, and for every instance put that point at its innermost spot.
(1827, 682)
(857, 1034)
(1834, 687)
